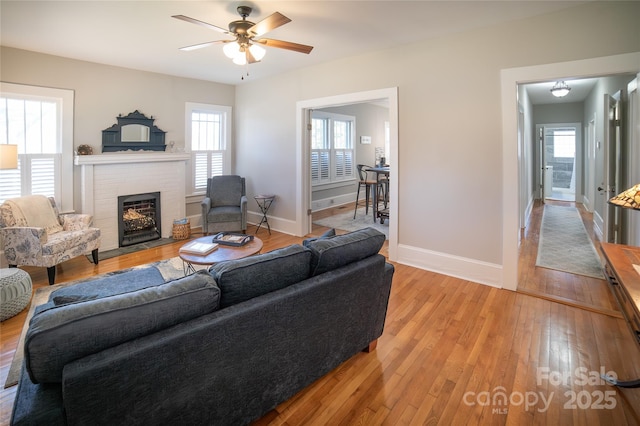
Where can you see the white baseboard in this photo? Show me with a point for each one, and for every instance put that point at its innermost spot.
(338, 200)
(467, 269)
(276, 223)
(442, 263)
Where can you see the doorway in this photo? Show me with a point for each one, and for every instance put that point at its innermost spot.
(559, 159)
(512, 163)
(303, 126)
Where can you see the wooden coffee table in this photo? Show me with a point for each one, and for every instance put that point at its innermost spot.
(221, 254)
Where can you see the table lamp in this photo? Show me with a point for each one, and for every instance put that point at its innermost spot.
(8, 156)
(629, 199)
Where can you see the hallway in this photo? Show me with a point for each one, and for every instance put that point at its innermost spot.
(575, 290)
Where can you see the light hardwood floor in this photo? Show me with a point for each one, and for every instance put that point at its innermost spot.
(451, 350)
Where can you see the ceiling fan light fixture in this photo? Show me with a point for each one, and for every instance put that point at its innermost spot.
(560, 89)
(258, 52)
(231, 50)
(240, 59)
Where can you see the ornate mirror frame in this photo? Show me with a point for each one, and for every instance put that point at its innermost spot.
(141, 135)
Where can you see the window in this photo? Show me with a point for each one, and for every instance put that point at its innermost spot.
(208, 129)
(40, 121)
(332, 153)
(564, 143)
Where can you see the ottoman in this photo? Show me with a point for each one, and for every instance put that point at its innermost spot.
(15, 292)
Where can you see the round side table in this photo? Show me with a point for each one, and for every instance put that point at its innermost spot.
(15, 292)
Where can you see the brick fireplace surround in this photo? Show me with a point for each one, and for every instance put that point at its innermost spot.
(104, 177)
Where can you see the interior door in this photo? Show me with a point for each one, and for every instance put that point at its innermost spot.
(546, 178)
(611, 185)
(632, 128)
(590, 170)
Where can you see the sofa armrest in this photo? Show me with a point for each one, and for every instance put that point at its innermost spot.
(206, 204)
(23, 243)
(76, 221)
(243, 209)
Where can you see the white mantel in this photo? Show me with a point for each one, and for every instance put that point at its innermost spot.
(105, 177)
(129, 157)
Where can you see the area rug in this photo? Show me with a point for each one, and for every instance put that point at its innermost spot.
(565, 245)
(170, 269)
(346, 222)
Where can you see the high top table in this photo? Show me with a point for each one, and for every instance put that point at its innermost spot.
(379, 213)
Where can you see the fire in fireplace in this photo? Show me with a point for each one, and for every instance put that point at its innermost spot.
(139, 218)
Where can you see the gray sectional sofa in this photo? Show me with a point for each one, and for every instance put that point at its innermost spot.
(219, 347)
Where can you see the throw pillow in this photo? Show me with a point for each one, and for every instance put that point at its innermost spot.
(327, 234)
(37, 212)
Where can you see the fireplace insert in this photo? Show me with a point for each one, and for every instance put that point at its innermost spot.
(138, 218)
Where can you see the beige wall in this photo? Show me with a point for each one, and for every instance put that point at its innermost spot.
(450, 115)
(450, 129)
(103, 92)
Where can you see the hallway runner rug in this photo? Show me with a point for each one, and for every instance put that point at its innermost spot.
(564, 244)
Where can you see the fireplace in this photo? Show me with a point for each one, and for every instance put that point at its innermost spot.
(139, 218)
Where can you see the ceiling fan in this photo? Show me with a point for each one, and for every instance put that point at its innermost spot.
(246, 47)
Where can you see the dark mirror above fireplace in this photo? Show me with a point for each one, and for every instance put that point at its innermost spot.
(135, 132)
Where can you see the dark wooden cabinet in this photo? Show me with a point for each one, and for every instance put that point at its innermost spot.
(624, 281)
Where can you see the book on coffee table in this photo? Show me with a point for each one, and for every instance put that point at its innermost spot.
(198, 248)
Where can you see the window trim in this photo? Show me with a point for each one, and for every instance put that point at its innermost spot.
(190, 107)
(65, 101)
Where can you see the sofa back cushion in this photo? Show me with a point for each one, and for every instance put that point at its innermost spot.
(334, 252)
(58, 336)
(226, 190)
(244, 279)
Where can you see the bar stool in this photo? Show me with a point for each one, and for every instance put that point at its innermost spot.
(368, 184)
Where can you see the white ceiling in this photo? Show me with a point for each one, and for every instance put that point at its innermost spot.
(540, 93)
(142, 35)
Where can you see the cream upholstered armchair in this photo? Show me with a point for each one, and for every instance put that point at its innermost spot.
(34, 233)
(224, 207)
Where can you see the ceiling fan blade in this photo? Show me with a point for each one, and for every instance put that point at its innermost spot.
(269, 23)
(201, 45)
(296, 47)
(204, 24)
(250, 57)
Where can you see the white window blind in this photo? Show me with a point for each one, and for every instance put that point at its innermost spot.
(332, 150)
(32, 118)
(208, 129)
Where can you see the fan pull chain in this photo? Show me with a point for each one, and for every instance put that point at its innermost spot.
(246, 65)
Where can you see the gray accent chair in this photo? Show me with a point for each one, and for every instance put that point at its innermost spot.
(224, 207)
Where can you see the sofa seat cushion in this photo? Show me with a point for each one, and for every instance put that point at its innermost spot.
(58, 336)
(334, 252)
(244, 279)
(60, 242)
(224, 214)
